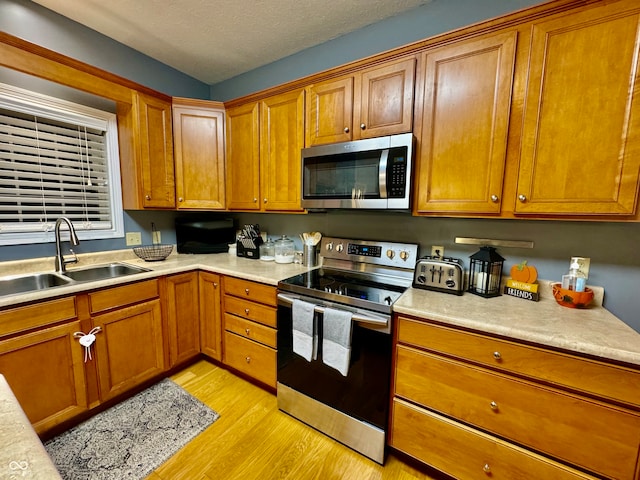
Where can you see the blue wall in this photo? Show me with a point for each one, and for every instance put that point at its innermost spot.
(612, 247)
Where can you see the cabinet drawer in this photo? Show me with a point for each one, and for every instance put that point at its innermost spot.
(251, 358)
(465, 453)
(25, 318)
(257, 292)
(253, 311)
(252, 330)
(606, 380)
(122, 296)
(550, 421)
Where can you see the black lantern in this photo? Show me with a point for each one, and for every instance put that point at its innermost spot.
(485, 272)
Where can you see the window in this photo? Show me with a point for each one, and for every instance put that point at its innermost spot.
(57, 159)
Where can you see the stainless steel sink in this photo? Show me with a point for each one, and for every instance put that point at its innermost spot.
(103, 272)
(30, 283)
(14, 285)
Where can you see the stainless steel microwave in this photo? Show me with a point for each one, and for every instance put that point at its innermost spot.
(371, 174)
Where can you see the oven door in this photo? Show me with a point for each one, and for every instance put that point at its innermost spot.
(363, 393)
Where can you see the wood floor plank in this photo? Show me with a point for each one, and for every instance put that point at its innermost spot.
(253, 440)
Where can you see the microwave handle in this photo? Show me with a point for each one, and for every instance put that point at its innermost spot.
(382, 172)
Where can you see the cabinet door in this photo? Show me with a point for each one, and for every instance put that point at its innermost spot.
(386, 99)
(183, 317)
(129, 349)
(243, 157)
(281, 139)
(582, 122)
(154, 146)
(467, 97)
(329, 112)
(210, 315)
(45, 370)
(199, 155)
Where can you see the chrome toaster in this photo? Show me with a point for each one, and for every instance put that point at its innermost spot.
(442, 274)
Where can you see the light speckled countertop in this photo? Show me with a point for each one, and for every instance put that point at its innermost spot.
(593, 331)
(21, 453)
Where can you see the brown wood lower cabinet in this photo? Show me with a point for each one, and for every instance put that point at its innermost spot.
(183, 316)
(210, 288)
(250, 322)
(490, 411)
(130, 347)
(45, 370)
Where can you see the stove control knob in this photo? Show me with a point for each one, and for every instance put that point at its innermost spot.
(339, 248)
(391, 254)
(404, 255)
(329, 246)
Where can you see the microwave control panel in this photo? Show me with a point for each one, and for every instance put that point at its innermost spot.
(397, 173)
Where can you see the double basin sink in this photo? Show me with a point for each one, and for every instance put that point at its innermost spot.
(43, 281)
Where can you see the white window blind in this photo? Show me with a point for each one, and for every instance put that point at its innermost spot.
(56, 159)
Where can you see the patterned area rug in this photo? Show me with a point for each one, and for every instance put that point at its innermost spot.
(131, 439)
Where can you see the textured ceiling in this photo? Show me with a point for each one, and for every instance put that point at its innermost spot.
(213, 40)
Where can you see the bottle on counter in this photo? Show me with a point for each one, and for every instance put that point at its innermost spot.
(575, 280)
(268, 251)
(284, 250)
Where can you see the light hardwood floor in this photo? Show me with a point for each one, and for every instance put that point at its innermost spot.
(253, 440)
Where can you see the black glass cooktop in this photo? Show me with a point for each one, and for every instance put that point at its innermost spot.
(353, 288)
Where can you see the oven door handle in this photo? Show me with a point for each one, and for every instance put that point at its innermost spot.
(356, 316)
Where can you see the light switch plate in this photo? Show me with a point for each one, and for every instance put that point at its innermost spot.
(133, 239)
(584, 264)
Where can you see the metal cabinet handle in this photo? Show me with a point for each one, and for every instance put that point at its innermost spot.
(494, 406)
(247, 331)
(495, 198)
(248, 359)
(180, 199)
(255, 200)
(246, 290)
(497, 355)
(362, 126)
(486, 468)
(346, 129)
(246, 311)
(148, 197)
(215, 285)
(522, 198)
(265, 200)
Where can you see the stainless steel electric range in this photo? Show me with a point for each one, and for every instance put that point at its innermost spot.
(335, 343)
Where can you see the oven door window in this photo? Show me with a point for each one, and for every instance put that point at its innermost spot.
(350, 175)
(362, 394)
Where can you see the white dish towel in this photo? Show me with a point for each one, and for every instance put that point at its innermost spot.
(305, 339)
(336, 339)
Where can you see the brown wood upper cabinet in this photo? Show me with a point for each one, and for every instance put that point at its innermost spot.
(198, 132)
(146, 152)
(374, 102)
(581, 129)
(465, 119)
(264, 140)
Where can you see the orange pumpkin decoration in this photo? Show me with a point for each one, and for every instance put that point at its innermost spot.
(522, 272)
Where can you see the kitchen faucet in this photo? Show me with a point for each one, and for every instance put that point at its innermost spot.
(61, 262)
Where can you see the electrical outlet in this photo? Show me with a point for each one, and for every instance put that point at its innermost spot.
(584, 264)
(133, 238)
(437, 251)
(157, 238)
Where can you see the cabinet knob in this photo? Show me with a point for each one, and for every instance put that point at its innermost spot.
(494, 406)
(246, 290)
(486, 468)
(248, 359)
(346, 129)
(215, 285)
(246, 311)
(497, 355)
(522, 198)
(180, 199)
(247, 331)
(264, 200)
(362, 126)
(148, 197)
(495, 198)
(255, 200)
